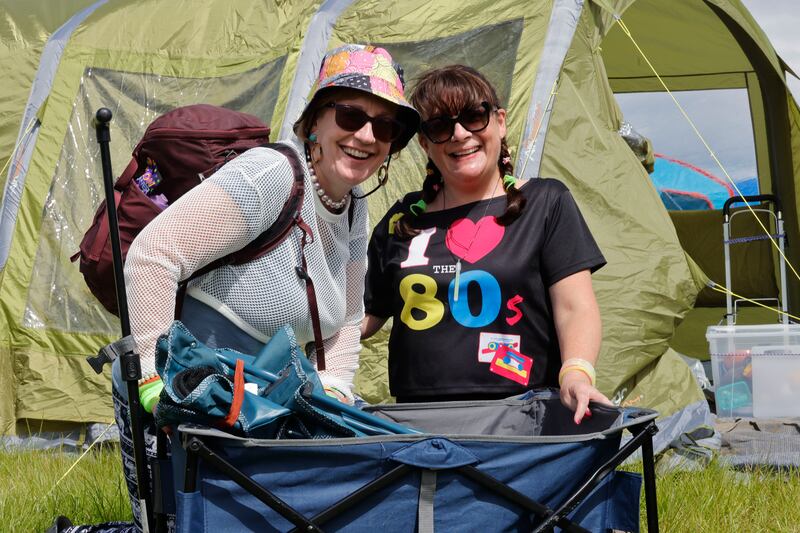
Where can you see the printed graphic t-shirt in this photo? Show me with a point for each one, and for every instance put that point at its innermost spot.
(444, 341)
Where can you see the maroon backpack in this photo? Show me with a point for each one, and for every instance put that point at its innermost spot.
(179, 149)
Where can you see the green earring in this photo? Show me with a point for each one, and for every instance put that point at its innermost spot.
(312, 137)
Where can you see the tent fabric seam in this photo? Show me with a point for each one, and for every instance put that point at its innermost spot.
(560, 33)
(49, 61)
(313, 49)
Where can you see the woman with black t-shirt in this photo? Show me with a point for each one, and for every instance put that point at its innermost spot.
(487, 277)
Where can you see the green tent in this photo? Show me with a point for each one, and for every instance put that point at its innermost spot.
(556, 64)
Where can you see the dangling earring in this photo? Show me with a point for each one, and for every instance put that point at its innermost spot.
(333, 205)
(383, 177)
(316, 152)
(383, 172)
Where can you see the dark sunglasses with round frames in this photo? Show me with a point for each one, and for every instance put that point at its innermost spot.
(440, 129)
(351, 118)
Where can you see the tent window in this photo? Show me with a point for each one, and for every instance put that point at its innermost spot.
(490, 49)
(58, 297)
(685, 174)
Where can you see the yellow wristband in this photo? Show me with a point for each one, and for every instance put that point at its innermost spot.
(581, 365)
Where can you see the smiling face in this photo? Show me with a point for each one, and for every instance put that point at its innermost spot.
(469, 159)
(349, 157)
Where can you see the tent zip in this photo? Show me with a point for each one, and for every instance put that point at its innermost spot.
(529, 143)
(33, 123)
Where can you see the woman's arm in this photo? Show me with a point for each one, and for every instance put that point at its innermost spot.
(201, 226)
(204, 224)
(343, 347)
(371, 324)
(577, 320)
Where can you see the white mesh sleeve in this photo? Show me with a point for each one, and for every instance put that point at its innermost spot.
(201, 226)
(343, 348)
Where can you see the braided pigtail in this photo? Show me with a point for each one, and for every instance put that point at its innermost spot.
(515, 199)
(404, 228)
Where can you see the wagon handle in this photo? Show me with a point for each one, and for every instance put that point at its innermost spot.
(749, 199)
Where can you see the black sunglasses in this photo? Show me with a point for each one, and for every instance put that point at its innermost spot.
(441, 128)
(351, 118)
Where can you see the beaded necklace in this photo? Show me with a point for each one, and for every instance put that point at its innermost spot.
(327, 201)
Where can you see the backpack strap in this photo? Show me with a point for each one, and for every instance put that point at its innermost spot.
(302, 273)
(271, 239)
(288, 218)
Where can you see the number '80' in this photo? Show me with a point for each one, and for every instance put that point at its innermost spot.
(432, 310)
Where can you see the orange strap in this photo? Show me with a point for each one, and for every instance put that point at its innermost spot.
(238, 394)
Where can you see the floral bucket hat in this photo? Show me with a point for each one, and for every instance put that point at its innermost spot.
(368, 69)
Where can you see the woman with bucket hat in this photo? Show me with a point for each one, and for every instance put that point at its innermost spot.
(356, 119)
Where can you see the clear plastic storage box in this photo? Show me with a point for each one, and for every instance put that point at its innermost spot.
(756, 370)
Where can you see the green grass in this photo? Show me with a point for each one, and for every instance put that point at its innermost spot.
(93, 492)
(716, 499)
(720, 500)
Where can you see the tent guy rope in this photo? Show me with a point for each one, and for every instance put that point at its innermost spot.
(713, 155)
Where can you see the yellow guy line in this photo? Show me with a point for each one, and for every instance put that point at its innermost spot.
(724, 290)
(702, 139)
(78, 460)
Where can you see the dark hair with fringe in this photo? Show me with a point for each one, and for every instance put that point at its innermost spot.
(447, 91)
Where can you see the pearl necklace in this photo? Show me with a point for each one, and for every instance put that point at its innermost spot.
(326, 200)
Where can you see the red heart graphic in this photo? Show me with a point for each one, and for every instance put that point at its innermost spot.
(471, 242)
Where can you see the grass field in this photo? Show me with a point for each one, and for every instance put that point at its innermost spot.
(713, 500)
(721, 500)
(94, 491)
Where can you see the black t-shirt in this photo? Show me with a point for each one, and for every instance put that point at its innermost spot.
(442, 344)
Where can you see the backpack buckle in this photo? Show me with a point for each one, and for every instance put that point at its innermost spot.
(111, 352)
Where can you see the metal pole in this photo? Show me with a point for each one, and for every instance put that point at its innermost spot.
(129, 361)
(782, 261)
(649, 475)
(726, 235)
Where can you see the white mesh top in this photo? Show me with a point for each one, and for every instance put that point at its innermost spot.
(220, 216)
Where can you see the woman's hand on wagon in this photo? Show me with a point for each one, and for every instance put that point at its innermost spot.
(576, 393)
